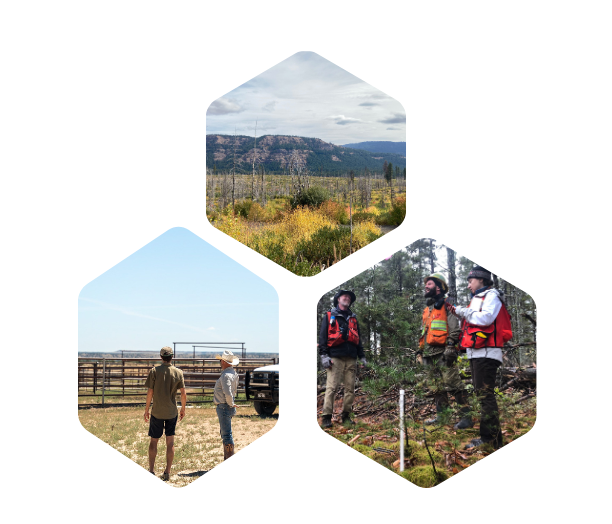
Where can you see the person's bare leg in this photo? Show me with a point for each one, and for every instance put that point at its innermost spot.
(152, 454)
(169, 453)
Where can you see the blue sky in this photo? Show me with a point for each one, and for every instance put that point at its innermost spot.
(177, 288)
(307, 95)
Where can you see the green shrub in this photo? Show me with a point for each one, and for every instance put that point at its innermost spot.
(312, 197)
(242, 208)
(320, 247)
(394, 216)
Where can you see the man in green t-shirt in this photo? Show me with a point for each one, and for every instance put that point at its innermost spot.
(163, 382)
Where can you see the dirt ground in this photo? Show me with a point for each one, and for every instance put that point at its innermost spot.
(197, 444)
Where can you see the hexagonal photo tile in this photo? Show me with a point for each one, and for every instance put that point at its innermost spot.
(178, 357)
(427, 363)
(305, 163)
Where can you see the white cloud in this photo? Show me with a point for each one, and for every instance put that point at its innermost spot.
(342, 120)
(224, 106)
(269, 107)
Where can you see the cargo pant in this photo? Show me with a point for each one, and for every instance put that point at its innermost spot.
(443, 378)
(343, 370)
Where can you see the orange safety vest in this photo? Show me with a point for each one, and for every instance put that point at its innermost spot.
(334, 336)
(435, 327)
(494, 335)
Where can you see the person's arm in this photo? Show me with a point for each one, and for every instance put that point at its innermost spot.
(486, 317)
(149, 383)
(323, 349)
(360, 353)
(183, 403)
(148, 404)
(226, 384)
(454, 330)
(419, 351)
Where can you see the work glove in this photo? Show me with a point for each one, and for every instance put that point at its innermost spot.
(326, 362)
(363, 361)
(450, 355)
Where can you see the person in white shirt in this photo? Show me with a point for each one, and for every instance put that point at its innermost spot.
(225, 392)
(483, 349)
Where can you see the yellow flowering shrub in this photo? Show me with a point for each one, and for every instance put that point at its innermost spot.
(364, 233)
(300, 225)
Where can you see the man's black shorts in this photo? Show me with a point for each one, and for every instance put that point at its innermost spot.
(156, 427)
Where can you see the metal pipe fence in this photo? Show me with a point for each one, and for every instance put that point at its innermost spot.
(112, 378)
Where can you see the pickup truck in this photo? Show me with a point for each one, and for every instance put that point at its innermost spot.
(261, 386)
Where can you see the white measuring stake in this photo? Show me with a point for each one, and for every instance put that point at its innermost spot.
(401, 418)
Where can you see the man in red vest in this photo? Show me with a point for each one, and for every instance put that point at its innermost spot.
(440, 334)
(339, 348)
(483, 343)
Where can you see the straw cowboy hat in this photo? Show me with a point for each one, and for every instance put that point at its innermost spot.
(228, 357)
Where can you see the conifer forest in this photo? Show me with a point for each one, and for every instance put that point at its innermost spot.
(389, 307)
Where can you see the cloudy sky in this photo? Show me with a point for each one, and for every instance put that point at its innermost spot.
(306, 95)
(177, 288)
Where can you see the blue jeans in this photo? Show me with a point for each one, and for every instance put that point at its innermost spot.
(225, 414)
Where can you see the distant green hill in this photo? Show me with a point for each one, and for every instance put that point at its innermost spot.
(398, 148)
(275, 151)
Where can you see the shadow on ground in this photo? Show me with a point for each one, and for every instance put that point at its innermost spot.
(193, 474)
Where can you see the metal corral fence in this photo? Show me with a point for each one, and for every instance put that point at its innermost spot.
(107, 379)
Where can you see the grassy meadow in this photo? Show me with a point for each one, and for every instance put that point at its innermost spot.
(308, 234)
(197, 444)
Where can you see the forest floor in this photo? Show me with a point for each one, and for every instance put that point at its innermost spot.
(377, 437)
(197, 443)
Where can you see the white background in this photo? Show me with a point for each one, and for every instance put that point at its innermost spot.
(102, 121)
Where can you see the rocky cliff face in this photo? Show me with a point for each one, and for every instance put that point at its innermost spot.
(274, 152)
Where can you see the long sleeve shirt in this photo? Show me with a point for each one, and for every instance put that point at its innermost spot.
(226, 387)
(485, 316)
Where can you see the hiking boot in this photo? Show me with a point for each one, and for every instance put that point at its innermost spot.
(474, 443)
(432, 421)
(441, 405)
(346, 419)
(464, 423)
(326, 421)
(228, 451)
(466, 420)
